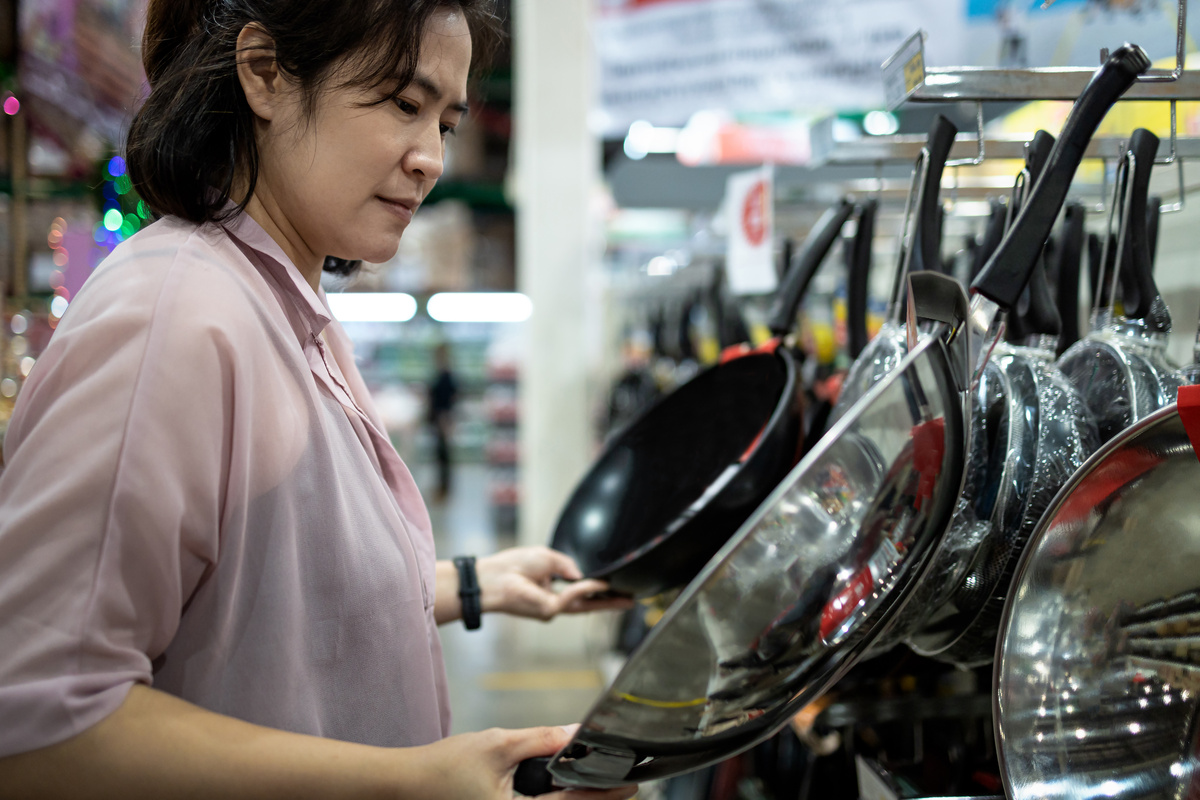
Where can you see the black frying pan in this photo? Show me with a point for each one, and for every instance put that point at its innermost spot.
(671, 487)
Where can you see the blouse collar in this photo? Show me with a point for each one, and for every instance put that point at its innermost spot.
(244, 228)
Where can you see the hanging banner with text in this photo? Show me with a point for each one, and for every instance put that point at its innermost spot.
(750, 250)
(662, 60)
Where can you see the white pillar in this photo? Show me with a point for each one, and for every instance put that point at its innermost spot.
(556, 171)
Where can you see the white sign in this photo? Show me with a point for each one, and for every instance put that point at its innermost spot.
(750, 254)
(663, 61)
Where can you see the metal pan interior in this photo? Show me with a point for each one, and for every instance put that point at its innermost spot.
(797, 593)
(1098, 661)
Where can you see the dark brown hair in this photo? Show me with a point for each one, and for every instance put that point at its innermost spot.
(195, 132)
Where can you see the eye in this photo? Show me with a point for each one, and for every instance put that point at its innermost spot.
(405, 106)
(447, 130)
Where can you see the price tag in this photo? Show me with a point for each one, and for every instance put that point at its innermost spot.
(904, 72)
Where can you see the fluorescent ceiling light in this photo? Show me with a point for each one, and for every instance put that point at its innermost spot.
(479, 307)
(644, 138)
(372, 306)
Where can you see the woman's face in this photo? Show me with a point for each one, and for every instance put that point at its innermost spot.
(346, 181)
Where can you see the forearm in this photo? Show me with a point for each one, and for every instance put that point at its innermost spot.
(156, 745)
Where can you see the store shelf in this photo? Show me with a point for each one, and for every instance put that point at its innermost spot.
(906, 78)
(826, 151)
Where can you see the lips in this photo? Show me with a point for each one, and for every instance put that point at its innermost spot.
(401, 208)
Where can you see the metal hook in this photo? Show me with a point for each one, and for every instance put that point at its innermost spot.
(1180, 50)
(979, 155)
(1123, 200)
(917, 188)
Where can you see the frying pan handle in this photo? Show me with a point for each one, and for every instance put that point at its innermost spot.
(1144, 146)
(992, 235)
(1038, 154)
(928, 231)
(1008, 270)
(533, 778)
(1070, 252)
(860, 273)
(1037, 314)
(1041, 317)
(800, 273)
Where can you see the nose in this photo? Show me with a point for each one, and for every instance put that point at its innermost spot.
(424, 158)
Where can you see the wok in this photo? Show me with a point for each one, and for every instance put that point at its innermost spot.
(1097, 679)
(670, 488)
(824, 564)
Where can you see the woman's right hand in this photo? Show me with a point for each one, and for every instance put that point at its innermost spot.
(480, 766)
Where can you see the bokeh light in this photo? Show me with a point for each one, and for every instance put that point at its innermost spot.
(113, 219)
(58, 306)
(19, 323)
(60, 257)
(116, 166)
(11, 106)
(27, 365)
(19, 345)
(8, 387)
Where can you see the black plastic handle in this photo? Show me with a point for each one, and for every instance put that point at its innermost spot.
(1038, 154)
(800, 273)
(533, 778)
(992, 235)
(927, 230)
(1144, 146)
(1041, 315)
(858, 278)
(1006, 273)
(1068, 257)
(1035, 313)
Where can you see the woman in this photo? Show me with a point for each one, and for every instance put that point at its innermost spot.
(216, 575)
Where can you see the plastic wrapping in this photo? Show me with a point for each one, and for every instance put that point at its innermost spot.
(964, 536)
(1122, 374)
(878, 358)
(1039, 432)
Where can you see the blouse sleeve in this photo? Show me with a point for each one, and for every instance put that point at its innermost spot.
(110, 500)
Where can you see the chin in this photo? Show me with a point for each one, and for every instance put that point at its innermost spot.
(373, 252)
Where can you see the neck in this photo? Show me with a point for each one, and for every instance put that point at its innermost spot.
(263, 210)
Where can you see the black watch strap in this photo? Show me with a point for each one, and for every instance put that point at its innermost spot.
(468, 591)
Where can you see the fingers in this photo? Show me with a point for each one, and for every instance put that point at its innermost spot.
(532, 742)
(559, 563)
(577, 598)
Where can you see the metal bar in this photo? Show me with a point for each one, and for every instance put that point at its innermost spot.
(904, 149)
(953, 84)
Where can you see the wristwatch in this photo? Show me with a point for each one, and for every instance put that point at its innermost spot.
(468, 591)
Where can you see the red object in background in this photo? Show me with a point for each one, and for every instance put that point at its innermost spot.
(929, 447)
(838, 610)
(754, 214)
(1188, 399)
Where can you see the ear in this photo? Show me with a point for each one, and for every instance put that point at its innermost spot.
(262, 81)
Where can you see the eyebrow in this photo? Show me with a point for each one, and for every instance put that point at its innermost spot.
(431, 89)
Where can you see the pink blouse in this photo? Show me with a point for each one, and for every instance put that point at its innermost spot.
(200, 496)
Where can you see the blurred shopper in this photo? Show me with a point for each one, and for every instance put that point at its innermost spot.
(443, 395)
(217, 577)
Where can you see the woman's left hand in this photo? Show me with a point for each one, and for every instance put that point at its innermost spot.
(520, 581)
